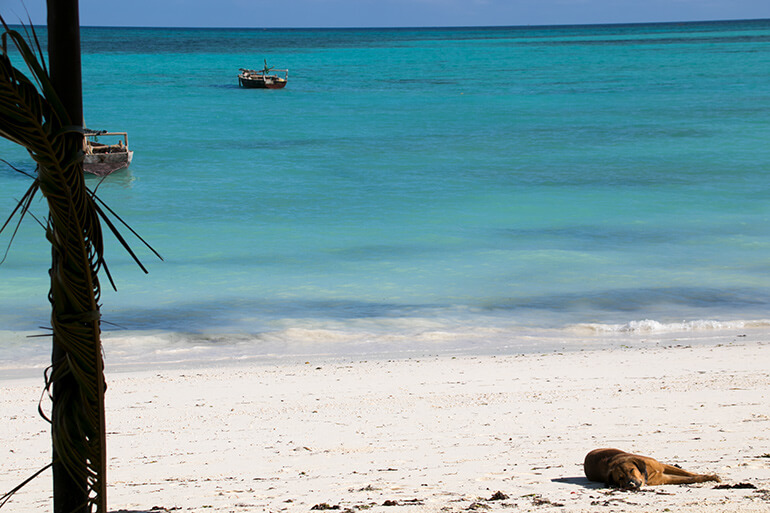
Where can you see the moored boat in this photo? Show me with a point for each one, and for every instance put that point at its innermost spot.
(266, 78)
(102, 159)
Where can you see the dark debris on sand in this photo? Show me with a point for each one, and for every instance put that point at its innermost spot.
(744, 486)
(406, 502)
(498, 496)
(539, 500)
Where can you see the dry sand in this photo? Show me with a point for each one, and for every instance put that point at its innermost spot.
(431, 434)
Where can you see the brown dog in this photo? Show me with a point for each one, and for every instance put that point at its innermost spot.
(631, 471)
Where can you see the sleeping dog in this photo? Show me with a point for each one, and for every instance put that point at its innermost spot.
(631, 471)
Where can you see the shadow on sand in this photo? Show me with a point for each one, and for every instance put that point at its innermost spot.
(580, 481)
(154, 509)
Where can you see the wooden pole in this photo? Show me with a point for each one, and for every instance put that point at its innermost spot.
(64, 56)
(71, 487)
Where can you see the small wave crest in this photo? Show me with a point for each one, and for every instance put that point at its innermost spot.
(652, 326)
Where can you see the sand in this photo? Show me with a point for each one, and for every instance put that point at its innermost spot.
(428, 434)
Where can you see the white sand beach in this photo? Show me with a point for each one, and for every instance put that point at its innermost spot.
(427, 434)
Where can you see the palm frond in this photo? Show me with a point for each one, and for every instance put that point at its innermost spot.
(22, 207)
(32, 115)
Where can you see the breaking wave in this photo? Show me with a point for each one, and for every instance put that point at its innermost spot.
(652, 326)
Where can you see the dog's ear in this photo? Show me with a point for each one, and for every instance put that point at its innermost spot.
(642, 468)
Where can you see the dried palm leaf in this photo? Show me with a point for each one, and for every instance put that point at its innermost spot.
(32, 116)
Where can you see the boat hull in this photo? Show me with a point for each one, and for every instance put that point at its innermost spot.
(103, 164)
(261, 84)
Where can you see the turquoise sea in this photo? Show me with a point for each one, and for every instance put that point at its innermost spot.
(419, 191)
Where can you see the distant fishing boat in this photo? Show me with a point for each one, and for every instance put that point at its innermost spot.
(102, 159)
(266, 78)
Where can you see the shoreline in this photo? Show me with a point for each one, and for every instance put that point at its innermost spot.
(426, 434)
(26, 354)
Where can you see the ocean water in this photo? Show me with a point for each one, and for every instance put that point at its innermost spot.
(419, 191)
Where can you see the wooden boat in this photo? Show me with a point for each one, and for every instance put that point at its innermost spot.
(266, 78)
(102, 159)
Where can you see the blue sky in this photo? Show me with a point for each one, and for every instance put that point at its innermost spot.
(388, 13)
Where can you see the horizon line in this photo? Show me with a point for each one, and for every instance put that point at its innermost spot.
(416, 27)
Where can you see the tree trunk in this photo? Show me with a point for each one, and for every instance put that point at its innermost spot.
(79, 482)
(64, 56)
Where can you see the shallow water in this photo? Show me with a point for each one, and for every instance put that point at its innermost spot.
(478, 186)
